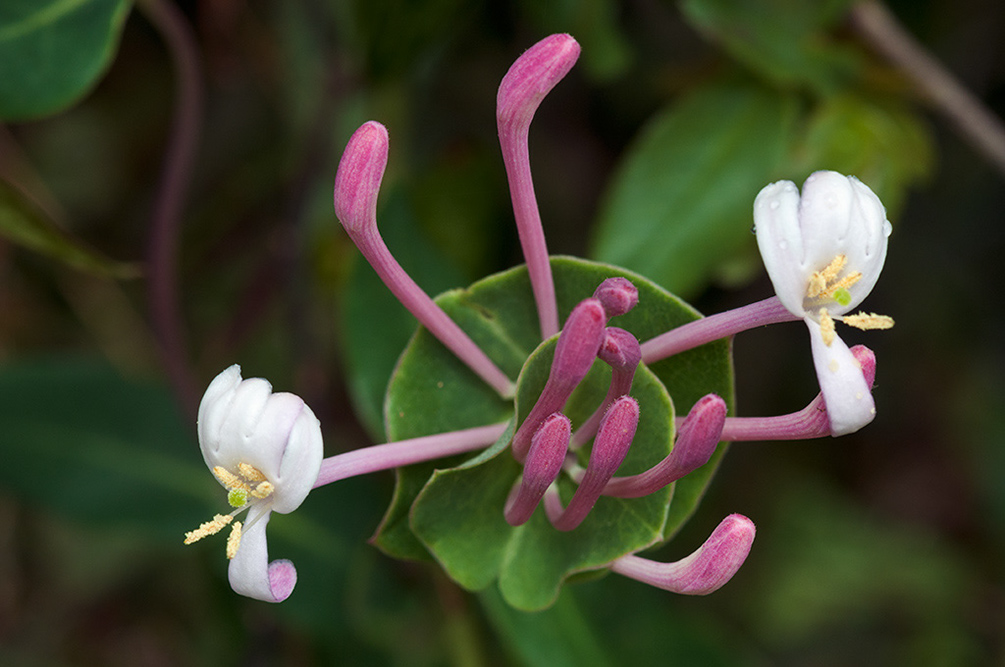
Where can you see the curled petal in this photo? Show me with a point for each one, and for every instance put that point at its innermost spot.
(250, 572)
(706, 570)
(843, 384)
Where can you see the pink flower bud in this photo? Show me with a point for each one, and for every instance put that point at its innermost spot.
(357, 181)
(703, 572)
(614, 438)
(618, 295)
(575, 352)
(696, 441)
(544, 462)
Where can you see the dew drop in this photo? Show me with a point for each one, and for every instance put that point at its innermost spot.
(830, 200)
(774, 204)
(782, 245)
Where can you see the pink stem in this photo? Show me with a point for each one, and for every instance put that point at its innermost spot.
(406, 452)
(179, 158)
(714, 327)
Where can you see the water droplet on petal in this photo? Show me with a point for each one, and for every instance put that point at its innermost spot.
(774, 204)
(782, 245)
(830, 201)
(887, 228)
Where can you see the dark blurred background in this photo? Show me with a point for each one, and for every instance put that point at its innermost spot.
(881, 548)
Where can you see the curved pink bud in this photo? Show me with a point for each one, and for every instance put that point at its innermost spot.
(526, 83)
(703, 572)
(357, 181)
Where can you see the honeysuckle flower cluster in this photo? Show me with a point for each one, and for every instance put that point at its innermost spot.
(823, 250)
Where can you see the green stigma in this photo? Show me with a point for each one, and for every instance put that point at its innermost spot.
(842, 296)
(237, 497)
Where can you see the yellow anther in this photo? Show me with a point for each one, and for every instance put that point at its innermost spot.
(816, 286)
(209, 528)
(263, 490)
(229, 479)
(827, 327)
(844, 283)
(250, 472)
(234, 540)
(868, 321)
(823, 284)
(832, 270)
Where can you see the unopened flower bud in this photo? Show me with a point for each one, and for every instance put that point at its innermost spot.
(618, 295)
(703, 572)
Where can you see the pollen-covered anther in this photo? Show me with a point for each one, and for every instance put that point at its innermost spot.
(229, 479)
(263, 490)
(868, 321)
(820, 280)
(825, 284)
(250, 472)
(827, 327)
(843, 284)
(234, 540)
(213, 527)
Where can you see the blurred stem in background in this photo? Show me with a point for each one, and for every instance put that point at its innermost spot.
(172, 192)
(982, 128)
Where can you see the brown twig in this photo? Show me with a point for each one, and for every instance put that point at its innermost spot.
(880, 28)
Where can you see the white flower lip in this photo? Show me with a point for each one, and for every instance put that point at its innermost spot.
(243, 422)
(838, 222)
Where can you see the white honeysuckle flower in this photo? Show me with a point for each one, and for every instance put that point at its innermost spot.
(266, 450)
(824, 251)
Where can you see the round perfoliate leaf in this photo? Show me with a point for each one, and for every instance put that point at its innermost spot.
(452, 510)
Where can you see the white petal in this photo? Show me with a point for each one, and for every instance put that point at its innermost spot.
(240, 420)
(250, 571)
(301, 461)
(839, 215)
(847, 397)
(213, 410)
(780, 240)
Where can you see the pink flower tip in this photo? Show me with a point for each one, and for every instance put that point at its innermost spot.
(620, 349)
(358, 178)
(282, 578)
(618, 295)
(866, 358)
(532, 76)
(699, 434)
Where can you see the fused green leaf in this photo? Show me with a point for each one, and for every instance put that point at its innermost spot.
(456, 512)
